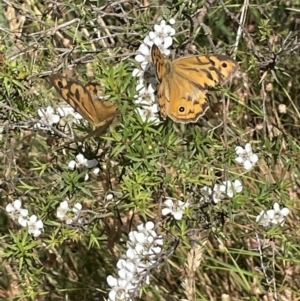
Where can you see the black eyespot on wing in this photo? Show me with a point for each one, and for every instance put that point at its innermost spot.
(181, 109)
(224, 65)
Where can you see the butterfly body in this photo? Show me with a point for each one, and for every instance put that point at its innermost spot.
(85, 100)
(183, 83)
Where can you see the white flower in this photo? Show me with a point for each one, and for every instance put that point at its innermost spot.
(274, 216)
(152, 35)
(68, 215)
(96, 170)
(278, 215)
(137, 72)
(149, 113)
(165, 51)
(81, 160)
(34, 226)
(229, 188)
(172, 21)
(126, 269)
(148, 109)
(109, 197)
(77, 208)
(217, 193)
(149, 226)
(13, 207)
(146, 95)
(72, 164)
(66, 110)
(135, 238)
(62, 210)
(23, 218)
(163, 34)
(263, 219)
(246, 156)
(148, 40)
(48, 116)
(174, 208)
(17, 213)
(121, 289)
(143, 56)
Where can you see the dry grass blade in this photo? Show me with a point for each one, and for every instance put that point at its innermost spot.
(193, 262)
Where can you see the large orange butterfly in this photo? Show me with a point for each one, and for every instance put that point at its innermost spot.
(183, 83)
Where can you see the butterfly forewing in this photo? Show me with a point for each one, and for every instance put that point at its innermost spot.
(84, 99)
(81, 100)
(94, 90)
(206, 70)
(222, 67)
(159, 61)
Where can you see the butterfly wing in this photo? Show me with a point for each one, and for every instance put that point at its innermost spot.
(105, 109)
(181, 100)
(159, 61)
(162, 68)
(81, 98)
(94, 89)
(207, 70)
(188, 83)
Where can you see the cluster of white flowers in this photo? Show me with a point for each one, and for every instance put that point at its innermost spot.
(146, 84)
(175, 208)
(20, 215)
(69, 215)
(222, 191)
(82, 161)
(50, 117)
(246, 157)
(143, 249)
(273, 216)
